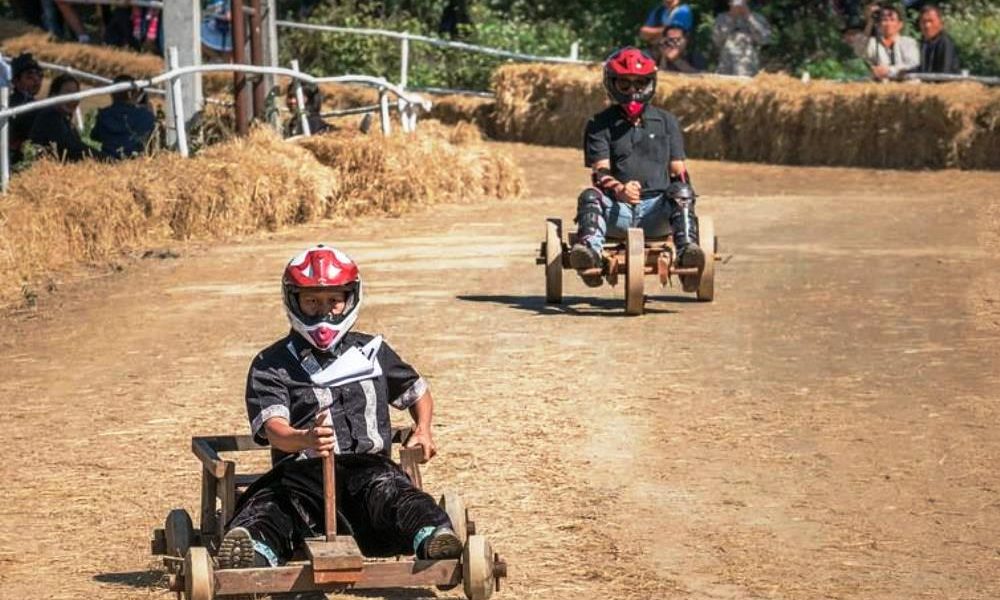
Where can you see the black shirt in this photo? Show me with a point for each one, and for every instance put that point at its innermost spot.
(20, 126)
(640, 152)
(939, 55)
(278, 385)
(53, 127)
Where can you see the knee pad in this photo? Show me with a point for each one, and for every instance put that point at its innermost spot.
(589, 210)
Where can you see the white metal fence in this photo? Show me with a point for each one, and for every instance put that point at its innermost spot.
(409, 104)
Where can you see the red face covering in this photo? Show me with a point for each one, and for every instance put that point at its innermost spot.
(633, 109)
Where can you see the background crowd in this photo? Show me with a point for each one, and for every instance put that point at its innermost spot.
(731, 37)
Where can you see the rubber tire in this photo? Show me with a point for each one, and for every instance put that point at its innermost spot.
(553, 261)
(178, 530)
(199, 580)
(477, 568)
(706, 284)
(635, 272)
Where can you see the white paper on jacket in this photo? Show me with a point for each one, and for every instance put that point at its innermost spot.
(355, 364)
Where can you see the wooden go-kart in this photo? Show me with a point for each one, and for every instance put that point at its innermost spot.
(633, 257)
(326, 564)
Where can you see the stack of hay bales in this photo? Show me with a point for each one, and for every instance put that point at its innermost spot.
(61, 218)
(773, 118)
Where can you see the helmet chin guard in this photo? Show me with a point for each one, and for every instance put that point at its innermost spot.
(636, 65)
(318, 268)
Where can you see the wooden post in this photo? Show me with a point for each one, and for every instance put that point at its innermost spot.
(329, 485)
(257, 58)
(300, 99)
(176, 103)
(182, 30)
(240, 91)
(4, 141)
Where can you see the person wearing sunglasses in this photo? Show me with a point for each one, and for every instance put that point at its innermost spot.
(635, 151)
(676, 56)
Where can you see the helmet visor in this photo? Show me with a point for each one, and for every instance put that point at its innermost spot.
(315, 305)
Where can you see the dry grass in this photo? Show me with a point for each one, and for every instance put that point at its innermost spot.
(773, 119)
(50, 228)
(100, 60)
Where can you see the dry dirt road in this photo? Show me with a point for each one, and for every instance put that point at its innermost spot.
(828, 428)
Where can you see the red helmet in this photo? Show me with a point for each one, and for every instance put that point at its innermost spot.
(321, 267)
(630, 62)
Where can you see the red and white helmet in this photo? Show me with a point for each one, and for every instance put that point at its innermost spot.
(321, 267)
(630, 62)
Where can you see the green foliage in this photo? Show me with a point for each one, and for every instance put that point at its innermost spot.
(806, 36)
(975, 27)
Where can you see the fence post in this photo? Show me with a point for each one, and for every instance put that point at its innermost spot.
(78, 118)
(300, 100)
(383, 102)
(4, 141)
(574, 50)
(175, 96)
(404, 62)
(270, 34)
(182, 30)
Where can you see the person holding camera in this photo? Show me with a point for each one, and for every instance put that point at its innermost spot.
(124, 128)
(676, 56)
(739, 33)
(890, 54)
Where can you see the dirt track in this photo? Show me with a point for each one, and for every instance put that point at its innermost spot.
(828, 428)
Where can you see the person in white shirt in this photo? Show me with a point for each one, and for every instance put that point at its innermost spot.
(890, 54)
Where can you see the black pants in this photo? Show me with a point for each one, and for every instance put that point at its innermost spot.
(376, 503)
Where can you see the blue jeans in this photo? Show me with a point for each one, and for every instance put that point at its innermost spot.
(601, 217)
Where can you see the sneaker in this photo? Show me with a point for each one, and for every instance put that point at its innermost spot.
(236, 550)
(691, 256)
(583, 257)
(441, 545)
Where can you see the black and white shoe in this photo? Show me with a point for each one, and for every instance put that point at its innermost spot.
(441, 545)
(236, 550)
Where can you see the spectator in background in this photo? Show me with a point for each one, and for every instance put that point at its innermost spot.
(72, 20)
(26, 77)
(124, 128)
(313, 97)
(937, 49)
(53, 129)
(216, 30)
(671, 12)
(146, 30)
(738, 34)
(675, 54)
(891, 55)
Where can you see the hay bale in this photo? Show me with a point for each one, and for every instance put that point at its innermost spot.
(50, 228)
(105, 61)
(773, 118)
(455, 109)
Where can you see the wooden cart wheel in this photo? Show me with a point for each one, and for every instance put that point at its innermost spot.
(635, 272)
(706, 284)
(453, 505)
(553, 261)
(178, 532)
(199, 581)
(477, 568)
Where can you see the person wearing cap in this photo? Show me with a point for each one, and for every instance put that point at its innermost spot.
(739, 33)
(26, 75)
(124, 128)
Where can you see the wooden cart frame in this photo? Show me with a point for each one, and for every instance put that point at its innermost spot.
(632, 258)
(328, 564)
